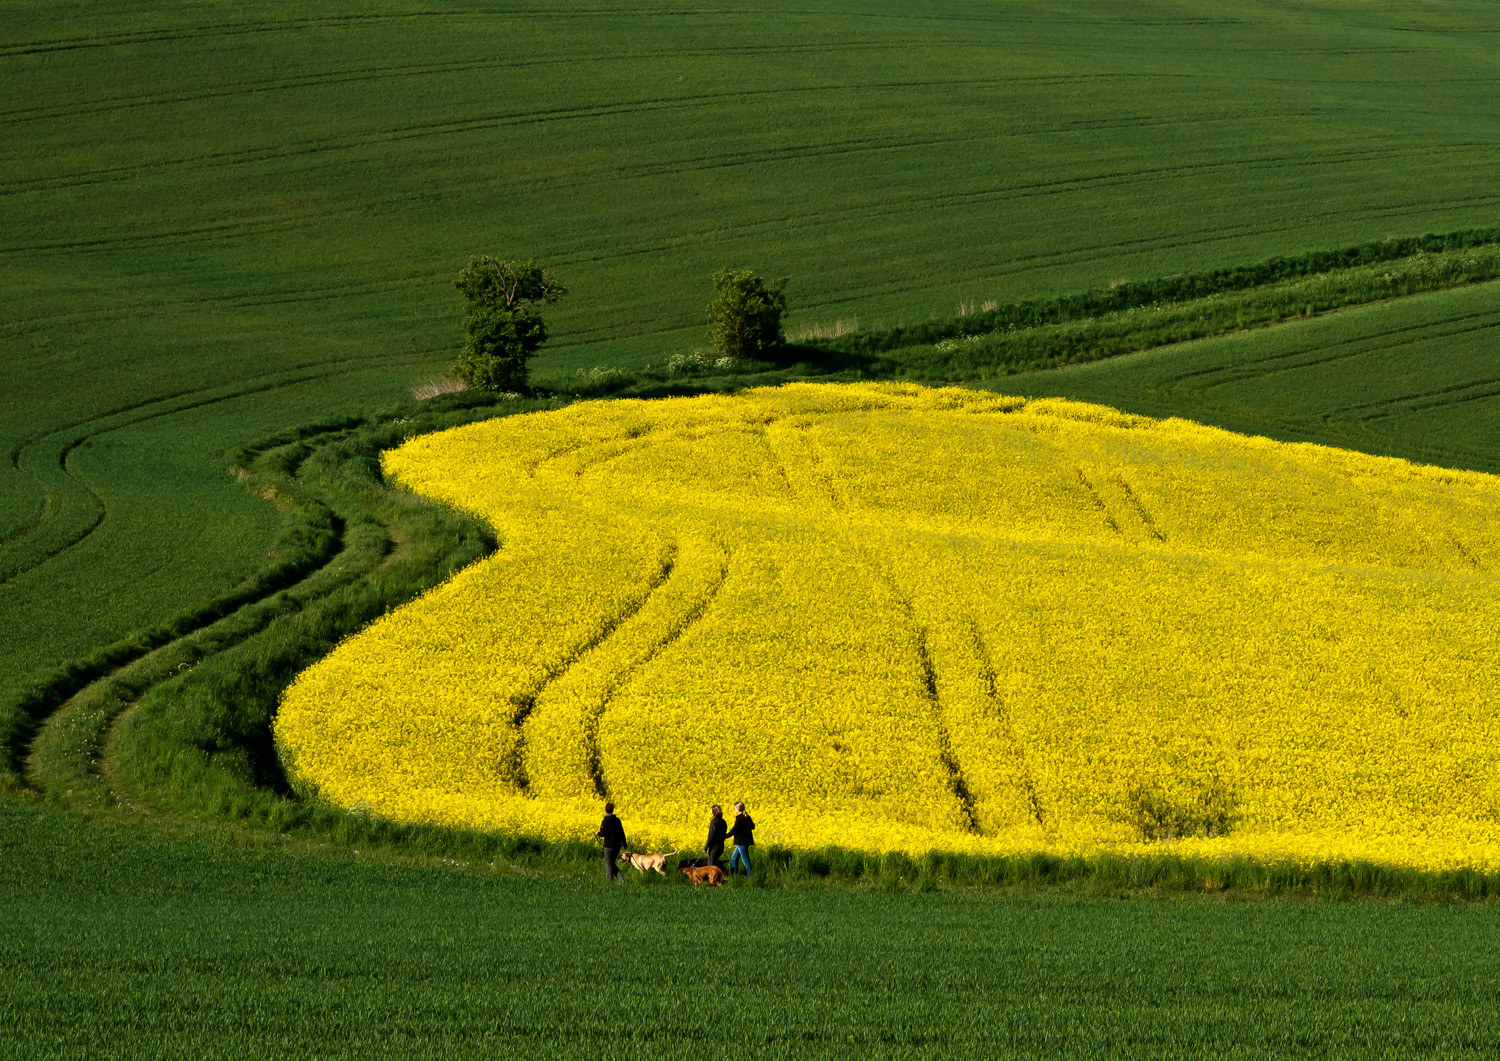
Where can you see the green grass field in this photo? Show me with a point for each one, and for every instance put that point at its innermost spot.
(234, 228)
(1415, 378)
(122, 943)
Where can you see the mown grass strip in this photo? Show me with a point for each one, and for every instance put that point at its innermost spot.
(307, 542)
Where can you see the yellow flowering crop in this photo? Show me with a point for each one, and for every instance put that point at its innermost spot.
(904, 618)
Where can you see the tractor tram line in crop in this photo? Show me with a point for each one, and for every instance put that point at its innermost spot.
(315, 546)
(44, 460)
(64, 757)
(1007, 775)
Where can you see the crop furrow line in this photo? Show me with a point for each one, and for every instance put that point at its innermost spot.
(1138, 508)
(212, 31)
(784, 481)
(68, 747)
(1073, 256)
(244, 89)
(605, 451)
(1251, 369)
(992, 693)
(731, 159)
(1098, 501)
(1441, 394)
(240, 301)
(1465, 400)
(1469, 558)
(689, 619)
(285, 222)
(443, 128)
(281, 222)
(1369, 342)
(66, 744)
(524, 703)
(453, 127)
(37, 558)
(956, 783)
(901, 205)
(1013, 266)
(556, 453)
(1425, 333)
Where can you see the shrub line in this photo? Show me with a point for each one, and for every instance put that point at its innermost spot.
(1034, 313)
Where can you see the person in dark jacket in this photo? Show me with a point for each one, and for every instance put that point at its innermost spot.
(613, 835)
(713, 847)
(743, 834)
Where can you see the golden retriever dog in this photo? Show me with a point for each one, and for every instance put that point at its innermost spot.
(705, 875)
(645, 862)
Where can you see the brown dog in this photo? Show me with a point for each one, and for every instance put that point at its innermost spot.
(645, 862)
(705, 875)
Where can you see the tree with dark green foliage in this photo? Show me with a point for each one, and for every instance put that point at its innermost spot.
(503, 326)
(745, 316)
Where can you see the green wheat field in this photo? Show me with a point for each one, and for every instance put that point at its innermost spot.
(228, 234)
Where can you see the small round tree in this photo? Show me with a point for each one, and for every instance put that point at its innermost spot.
(503, 327)
(745, 316)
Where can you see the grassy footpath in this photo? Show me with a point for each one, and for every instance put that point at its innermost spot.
(121, 943)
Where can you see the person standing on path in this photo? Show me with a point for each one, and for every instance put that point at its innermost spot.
(744, 838)
(613, 835)
(713, 847)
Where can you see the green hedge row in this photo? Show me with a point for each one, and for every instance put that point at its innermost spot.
(1035, 313)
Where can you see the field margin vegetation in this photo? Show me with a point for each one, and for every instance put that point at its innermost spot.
(988, 343)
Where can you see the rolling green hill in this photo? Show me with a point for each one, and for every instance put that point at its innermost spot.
(220, 221)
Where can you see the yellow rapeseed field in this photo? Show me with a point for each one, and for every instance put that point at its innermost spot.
(894, 617)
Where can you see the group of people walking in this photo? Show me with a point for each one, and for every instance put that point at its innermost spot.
(720, 832)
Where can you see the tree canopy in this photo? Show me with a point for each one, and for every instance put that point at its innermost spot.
(503, 328)
(745, 316)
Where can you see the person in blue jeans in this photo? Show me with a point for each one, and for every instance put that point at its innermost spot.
(743, 835)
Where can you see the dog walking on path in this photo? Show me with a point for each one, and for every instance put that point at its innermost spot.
(704, 875)
(645, 862)
(704, 871)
